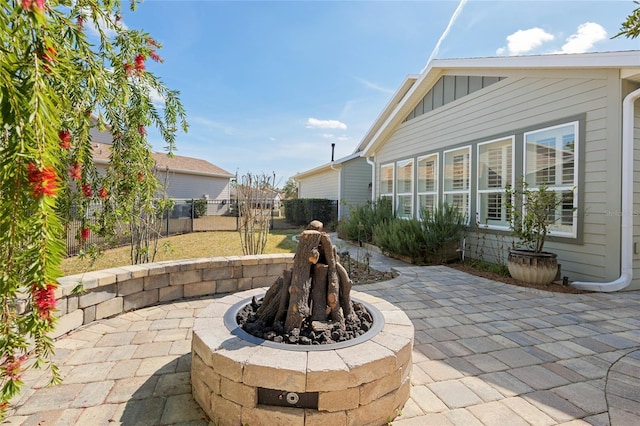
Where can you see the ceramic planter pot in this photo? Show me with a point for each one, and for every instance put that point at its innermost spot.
(534, 268)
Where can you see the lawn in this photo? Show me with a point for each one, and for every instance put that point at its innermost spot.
(197, 244)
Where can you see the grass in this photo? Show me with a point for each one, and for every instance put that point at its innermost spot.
(187, 246)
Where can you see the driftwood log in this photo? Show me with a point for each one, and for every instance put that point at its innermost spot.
(317, 289)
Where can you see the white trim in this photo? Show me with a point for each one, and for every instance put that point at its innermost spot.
(399, 165)
(467, 191)
(437, 181)
(479, 191)
(557, 188)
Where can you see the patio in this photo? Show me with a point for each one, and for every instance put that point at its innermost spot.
(485, 353)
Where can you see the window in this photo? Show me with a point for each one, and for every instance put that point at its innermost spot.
(495, 171)
(549, 159)
(428, 182)
(457, 170)
(386, 180)
(404, 185)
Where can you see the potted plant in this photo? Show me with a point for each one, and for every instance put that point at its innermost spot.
(532, 213)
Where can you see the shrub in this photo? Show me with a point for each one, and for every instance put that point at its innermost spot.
(401, 237)
(199, 207)
(363, 219)
(443, 229)
(301, 211)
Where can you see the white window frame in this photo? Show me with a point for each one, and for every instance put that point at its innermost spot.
(382, 168)
(557, 186)
(400, 165)
(433, 193)
(510, 180)
(469, 172)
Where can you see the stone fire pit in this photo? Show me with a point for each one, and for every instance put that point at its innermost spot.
(241, 380)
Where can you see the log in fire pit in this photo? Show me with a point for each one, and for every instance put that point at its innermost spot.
(329, 359)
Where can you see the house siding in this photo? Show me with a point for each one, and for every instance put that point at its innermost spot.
(356, 184)
(187, 186)
(525, 100)
(320, 185)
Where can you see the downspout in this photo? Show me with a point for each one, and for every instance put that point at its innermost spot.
(626, 239)
(373, 178)
(339, 188)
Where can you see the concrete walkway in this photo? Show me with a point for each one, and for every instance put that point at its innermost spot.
(485, 353)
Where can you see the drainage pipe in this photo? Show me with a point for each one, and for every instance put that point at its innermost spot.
(626, 238)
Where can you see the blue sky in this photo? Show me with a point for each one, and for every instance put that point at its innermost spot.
(269, 85)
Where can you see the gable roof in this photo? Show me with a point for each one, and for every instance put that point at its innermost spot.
(394, 113)
(327, 166)
(176, 164)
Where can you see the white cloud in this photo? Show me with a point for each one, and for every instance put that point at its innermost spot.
(92, 26)
(211, 124)
(314, 123)
(375, 86)
(584, 38)
(156, 98)
(523, 41)
(328, 136)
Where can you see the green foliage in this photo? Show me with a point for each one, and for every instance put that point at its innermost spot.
(363, 219)
(532, 213)
(401, 237)
(290, 189)
(630, 28)
(54, 87)
(443, 228)
(199, 207)
(301, 211)
(483, 265)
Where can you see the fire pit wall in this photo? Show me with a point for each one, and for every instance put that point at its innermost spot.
(363, 384)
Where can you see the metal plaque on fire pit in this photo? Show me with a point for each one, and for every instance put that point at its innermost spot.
(287, 399)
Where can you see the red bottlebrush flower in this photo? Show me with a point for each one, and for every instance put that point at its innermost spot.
(12, 366)
(86, 190)
(26, 4)
(155, 56)
(65, 139)
(142, 131)
(43, 181)
(102, 192)
(40, 3)
(128, 68)
(140, 177)
(85, 233)
(75, 172)
(139, 63)
(151, 42)
(118, 18)
(80, 21)
(44, 300)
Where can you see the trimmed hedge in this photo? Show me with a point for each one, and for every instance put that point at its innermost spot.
(301, 211)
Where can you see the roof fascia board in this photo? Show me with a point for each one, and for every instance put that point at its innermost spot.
(327, 166)
(408, 82)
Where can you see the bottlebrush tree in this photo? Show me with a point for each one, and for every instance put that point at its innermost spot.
(54, 86)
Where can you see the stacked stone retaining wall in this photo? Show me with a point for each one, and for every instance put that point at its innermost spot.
(111, 292)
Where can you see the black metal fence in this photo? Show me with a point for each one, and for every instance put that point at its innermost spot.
(186, 216)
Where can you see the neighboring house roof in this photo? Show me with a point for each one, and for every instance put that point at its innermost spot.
(326, 166)
(410, 93)
(176, 164)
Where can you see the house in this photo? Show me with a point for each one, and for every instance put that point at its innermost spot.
(186, 178)
(464, 129)
(346, 180)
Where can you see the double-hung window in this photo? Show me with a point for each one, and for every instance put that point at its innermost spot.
(457, 172)
(495, 172)
(427, 182)
(550, 159)
(404, 189)
(386, 181)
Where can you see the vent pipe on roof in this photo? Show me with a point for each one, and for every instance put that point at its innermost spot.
(626, 236)
(333, 150)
